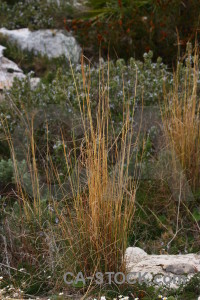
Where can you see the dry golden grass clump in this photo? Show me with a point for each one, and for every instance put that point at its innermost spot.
(95, 216)
(181, 118)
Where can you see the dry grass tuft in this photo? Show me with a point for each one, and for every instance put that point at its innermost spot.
(181, 118)
(94, 219)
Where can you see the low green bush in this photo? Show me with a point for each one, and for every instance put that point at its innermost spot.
(137, 82)
(129, 27)
(6, 171)
(34, 14)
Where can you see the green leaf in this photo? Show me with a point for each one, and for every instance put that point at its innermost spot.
(79, 284)
(196, 215)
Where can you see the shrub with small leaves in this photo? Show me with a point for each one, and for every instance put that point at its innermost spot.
(6, 171)
(34, 14)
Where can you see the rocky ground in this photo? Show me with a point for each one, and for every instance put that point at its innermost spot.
(51, 43)
(138, 261)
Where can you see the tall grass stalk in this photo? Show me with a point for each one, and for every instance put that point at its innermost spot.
(94, 221)
(103, 211)
(181, 118)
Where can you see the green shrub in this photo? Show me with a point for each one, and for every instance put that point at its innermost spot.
(34, 14)
(6, 171)
(130, 28)
(123, 78)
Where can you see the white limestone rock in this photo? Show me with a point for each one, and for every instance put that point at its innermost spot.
(162, 269)
(134, 255)
(9, 66)
(10, 70)
(53, 43)
(2, 48)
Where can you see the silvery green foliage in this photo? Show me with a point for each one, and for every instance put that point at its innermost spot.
(35, 14)
(7, 172)
(137, 82)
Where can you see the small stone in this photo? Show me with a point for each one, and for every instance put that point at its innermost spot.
(10, 70)
(180, 269)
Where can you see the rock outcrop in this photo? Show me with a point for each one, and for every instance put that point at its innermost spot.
(10, 70)
(170, 270)
(53, 43)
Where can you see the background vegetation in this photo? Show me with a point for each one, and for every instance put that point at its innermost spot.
(128, 28)
(123, 127)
